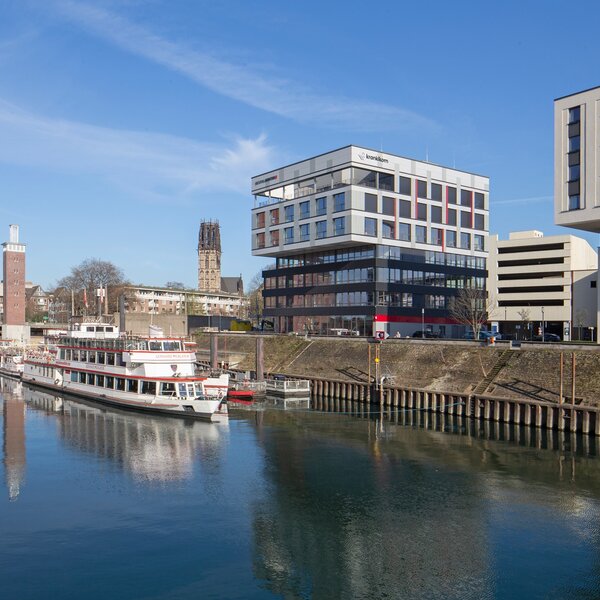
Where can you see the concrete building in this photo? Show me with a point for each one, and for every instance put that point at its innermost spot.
(577, 163)
(14, 298)
(367, 241)
(543, 283)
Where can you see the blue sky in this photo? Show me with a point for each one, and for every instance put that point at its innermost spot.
(125, 123)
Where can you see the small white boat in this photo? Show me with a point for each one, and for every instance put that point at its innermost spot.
(11, 365)
(153, 374)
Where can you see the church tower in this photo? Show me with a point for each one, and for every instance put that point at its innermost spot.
(209, 257)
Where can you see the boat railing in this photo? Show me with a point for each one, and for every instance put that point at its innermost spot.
(289, 385)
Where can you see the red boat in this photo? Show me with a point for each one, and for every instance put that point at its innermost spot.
(240, 396)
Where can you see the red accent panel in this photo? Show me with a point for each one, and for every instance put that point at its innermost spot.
(472, 215)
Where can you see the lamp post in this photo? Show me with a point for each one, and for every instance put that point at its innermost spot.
(422, 323)
(505, 329)
(543, 326)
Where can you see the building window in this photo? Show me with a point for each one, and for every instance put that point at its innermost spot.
(339, 226)
(275, 216)
(593, 283)
(479, 200)
(388, 206)
(320, 229)
(452, 216)
(435, 301)
(451, 194)
(387, 230)
(574, 172)
(386, 182)
(574, 202)
(405, 186)
(321, 206)
(304, 232)
(304, 209)
(288, 235)
(574, 114)
(260, 219)
(421, 188)
(436, 236)
(404, 209)
(339, 202)
(421, 234)
(370, 226)
(371, 203)
(465, 219)
(364, 177)
(574, 143)
(465, 197)
(260, 240)
(404, 232)
(421, 211)
(436, 192)
(289, 213)
(436, 214)
(479, 222)
(450, 239)
(465, 241)
(275, 238)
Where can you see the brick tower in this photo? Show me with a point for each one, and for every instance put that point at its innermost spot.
(13, 254)
(209, 257)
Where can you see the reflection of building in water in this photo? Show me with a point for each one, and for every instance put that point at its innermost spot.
(13, 446)
(345, 522)
(151, 448)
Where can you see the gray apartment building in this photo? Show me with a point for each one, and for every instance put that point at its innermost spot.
(366, 242)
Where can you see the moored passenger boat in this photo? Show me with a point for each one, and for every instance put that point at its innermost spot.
(155, 374)
(11, 364)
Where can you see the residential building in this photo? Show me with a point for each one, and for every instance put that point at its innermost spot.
(155, 300)
(577, 163)
(368, 242)
(543, 284)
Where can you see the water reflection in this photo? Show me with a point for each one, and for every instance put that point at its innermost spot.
(13, 429)
(419, 505)
(147, 447)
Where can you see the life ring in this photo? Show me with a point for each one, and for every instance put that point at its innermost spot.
(56, 381)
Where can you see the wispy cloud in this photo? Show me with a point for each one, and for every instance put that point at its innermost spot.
(530, 200)
(154, 163)
(276, 95)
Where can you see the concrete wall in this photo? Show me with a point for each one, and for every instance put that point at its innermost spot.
(139, 323)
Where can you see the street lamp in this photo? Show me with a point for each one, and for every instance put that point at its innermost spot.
(422, 323)
(543, 326)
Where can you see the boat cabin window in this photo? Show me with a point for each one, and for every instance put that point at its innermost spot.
(156, 346)
(132, 385)
(62, 354)
(191, 392)
(167, 389)
(92, 357)
(83, 355)
(110, 358)
(149, 387)
(182, 390)
(100, 380)
(109, 329)
(199, 391)
(100, 357)
(120, 384)
(172, 346)
(89, 328)
(75, 354)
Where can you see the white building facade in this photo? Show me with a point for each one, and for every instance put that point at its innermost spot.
(544, 284)
(368, 242)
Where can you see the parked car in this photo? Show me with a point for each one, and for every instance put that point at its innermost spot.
(426, 334)
(548, 337)
(484, 335)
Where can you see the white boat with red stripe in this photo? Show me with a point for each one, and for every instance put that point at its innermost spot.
(150, 373)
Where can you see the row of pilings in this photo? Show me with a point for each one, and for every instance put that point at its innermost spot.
(517, 411)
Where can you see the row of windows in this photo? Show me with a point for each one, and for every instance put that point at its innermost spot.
(384, 275)
(376, 180)
(123, 344)
(385, 252)
(389, 206)
(389, 230)
(574, 158)
(342, 299)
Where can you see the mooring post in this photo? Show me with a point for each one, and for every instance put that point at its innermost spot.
(260, 359)
(214, 351)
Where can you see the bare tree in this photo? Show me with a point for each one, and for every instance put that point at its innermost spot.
(89, 276)
(580, 319)
(471, 307)
(255, 298)
(524, 315)
(174, 285)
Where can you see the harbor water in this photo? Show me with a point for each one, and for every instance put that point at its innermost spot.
(289, 501)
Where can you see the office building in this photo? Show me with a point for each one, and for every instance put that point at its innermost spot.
(367, 242)
(543, 284)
